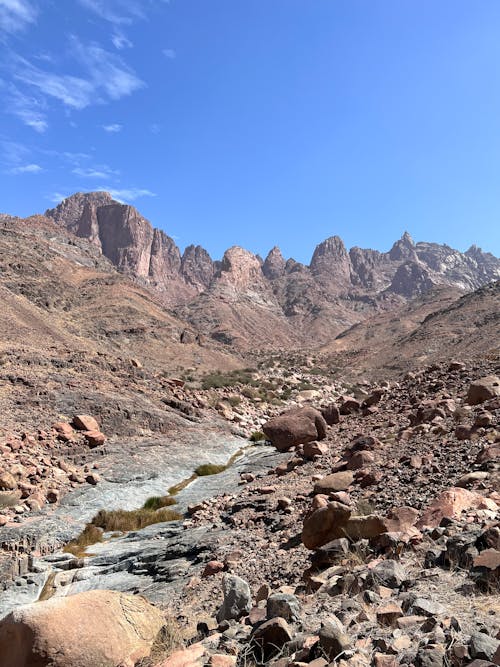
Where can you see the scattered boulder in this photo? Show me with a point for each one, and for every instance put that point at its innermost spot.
(94, 438)
(295, 427)
(237, 598)
(83, 630)
(337, 481)
(270, 637)
(483, 389)
(331, 414)
(85, 423)
(283, 605)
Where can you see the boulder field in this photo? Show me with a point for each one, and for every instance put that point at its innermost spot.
(374, 541)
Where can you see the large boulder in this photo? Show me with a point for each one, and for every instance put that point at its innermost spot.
(334, 521)
(295, 427)
(483, 389)
(90, 629)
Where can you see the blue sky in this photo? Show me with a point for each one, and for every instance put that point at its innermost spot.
(259, 122)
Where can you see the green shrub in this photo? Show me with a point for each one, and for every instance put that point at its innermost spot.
(234, 400)
(209, 469)
(257, 436)
(157, 502)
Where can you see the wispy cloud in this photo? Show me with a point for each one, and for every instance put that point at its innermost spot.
(120, 41)
(16, 15)
(113, 128)
(26, 107)
(56, 197)
(100, 172)
(169, 53)
(106, 78)
(119, 12)
(26, 169)
(129, 194)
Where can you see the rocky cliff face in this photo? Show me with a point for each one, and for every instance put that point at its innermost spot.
(306, 304)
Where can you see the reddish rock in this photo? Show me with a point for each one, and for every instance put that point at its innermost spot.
(85, 423)
(212, 567)
(94, 438)
(64, 431)
(315, 449)
(337, 481)
(86, 629)
(451, 504)
(295, 427)
(483, 390)
(389, 613)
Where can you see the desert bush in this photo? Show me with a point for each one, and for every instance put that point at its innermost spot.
(157, 502)
(9, 499)
(209, 469)
(257, 436)
(233, 400)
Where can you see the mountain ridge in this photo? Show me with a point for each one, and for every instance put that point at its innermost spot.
(242, 299)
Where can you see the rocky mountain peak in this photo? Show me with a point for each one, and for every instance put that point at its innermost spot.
(197, 266)
(274, 264)
(403, 249)
(240, 267)
(70, 210)
(331, 265)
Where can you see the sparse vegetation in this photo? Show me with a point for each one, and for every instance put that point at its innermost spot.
(257, 436)
(91, 534)
(209, 469)
(9, 499)
(157, 502)
(218, 379)
(118, 521)
(134, 519)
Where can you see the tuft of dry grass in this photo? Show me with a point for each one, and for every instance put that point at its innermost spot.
(168, 640)
(157, 502)
(90, 535)
(209, 469)
(125, 521)
(9, 499)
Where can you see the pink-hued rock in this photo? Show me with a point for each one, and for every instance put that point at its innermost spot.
(451, 503)
(82, 630)
(483, 389)
(295, 427)
(64, 431)
(85, 423)
(94, 438)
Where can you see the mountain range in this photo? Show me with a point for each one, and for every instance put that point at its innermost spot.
(245, 301)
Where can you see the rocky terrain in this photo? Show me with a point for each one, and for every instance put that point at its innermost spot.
(244, 462)
(242, 299)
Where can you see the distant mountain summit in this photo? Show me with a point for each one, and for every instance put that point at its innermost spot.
(244, 301)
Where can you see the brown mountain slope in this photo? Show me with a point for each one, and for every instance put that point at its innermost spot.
(75, 333)
(440, 326)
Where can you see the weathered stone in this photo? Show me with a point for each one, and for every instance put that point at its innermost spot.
(237, 598)
(284, 606)
(270, 637)
(333, 640)
(483, 389)
(85, 423)
(337, 481)
(295, 427)
(82, 630)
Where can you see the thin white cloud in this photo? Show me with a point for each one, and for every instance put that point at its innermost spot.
(129, 194)
(100, 172)
(26, 169)
(16, 15)
(169, 53)
(120, 41)
(106, 78)
(56, 197)
(26, 107)
(119, 12)
(113, 128)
